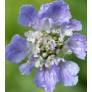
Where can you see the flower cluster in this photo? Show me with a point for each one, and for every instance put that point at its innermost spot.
(52, 32)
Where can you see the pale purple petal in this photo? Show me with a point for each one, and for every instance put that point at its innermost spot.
(72, 25)
(17, 50)
(58, 11)
(47, 79)
(26, 68)
(68, 73)
(27, 15)
(78, 45)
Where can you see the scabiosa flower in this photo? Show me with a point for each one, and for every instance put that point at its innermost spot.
(52, 31)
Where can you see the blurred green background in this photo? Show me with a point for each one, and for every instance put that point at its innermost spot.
(15, 82)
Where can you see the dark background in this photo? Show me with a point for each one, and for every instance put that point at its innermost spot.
(15, 82)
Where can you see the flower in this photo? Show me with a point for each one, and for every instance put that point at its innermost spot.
(52, 31)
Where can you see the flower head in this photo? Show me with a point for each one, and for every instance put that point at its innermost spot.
(52, 32)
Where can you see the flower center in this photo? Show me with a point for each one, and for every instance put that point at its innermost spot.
(47, 45)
